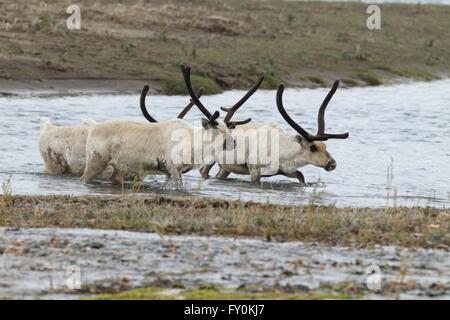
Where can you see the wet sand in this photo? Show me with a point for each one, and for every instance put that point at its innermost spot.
(34, 262)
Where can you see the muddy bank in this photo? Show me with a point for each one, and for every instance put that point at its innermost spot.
(57, 87)
(227, 43)
(34, 263)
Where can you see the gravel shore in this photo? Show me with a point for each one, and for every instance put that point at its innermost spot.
(34, 264)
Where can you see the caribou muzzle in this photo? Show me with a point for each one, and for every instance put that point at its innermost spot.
(331, 165)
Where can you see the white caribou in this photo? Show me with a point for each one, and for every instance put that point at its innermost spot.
(172, 147)
(63, 148)
(291, 152)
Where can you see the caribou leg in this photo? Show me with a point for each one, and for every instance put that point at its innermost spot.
(296, 175)
(222, 174)
(174, 175)
(204, 170)
(255, 174)
(94, 167)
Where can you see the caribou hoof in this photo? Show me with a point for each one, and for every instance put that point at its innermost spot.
(301, 178)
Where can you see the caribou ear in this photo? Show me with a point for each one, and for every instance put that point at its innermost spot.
(205, 123)
(299, 139)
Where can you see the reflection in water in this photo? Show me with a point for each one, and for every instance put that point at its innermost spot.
(407, 123)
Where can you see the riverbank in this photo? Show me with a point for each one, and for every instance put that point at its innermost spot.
(156, 247)
(327, 225)
(123, 46)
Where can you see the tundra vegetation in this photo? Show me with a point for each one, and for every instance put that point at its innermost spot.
(425, 227)
(228, 43)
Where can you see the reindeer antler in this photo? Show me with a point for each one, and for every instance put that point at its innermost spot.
(191, 104)
(230, 111)
(321, 135)
(186, 70)
(150, 118)
(143, 107)
(321, 115)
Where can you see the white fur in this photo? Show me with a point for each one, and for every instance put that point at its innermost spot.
(62, 148)
(132, 148)
(293, 154)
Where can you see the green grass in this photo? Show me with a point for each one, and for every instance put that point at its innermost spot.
(175, 84)
(155, 293)
(370, 77)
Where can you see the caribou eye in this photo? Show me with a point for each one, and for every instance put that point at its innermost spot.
(313, 148)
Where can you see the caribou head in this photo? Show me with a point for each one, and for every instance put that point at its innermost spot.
(312, 147)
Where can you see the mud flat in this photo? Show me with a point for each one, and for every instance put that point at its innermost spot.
(113, 263)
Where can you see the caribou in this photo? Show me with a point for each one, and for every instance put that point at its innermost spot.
(225, 124)
(140, 149)
(63, 148)
(151, 148)
(294, 151)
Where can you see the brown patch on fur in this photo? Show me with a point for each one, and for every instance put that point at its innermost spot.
(54, 162)
(321, 147)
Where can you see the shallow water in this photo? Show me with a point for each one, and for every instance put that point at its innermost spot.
(407, 123)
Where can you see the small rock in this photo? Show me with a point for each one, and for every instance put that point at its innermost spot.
(431, 292)
(288, 273)
(129, 259)
(301, 287)
(95, 245)
(226, 276)
(227, 249)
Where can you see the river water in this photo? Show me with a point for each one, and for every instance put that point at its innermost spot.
(398, 151)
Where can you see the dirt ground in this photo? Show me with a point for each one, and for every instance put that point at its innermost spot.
(228, 43)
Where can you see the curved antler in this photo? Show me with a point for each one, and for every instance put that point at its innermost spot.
(190, 105)
(150, 118)
(321, 135)
(230, 111)
(142, 103)
(187, 79)
(321, 116)
(305, 134)
(230, 124)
